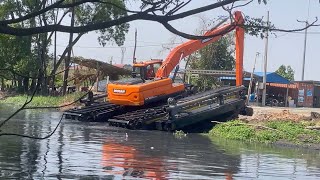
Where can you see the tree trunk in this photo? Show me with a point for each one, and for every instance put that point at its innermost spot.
(53, 78)
(32, 85)
(20, 85)
(2, 84)
(67, 60)
(25, 84)
(14, 83)
(44, 65)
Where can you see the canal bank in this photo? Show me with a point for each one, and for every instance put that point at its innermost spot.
(59, 102)
(294, 127)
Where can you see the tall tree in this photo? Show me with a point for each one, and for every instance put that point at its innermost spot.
(91, 13)
(286, 72)
(85, 14)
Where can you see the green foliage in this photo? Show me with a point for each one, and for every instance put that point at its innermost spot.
(41, 101)
(293, 132)
(26, 55)
(267, 136)
(215, 56)
(233, 130)
(256, 26)
(286, 72)
(179, 134)
(15, 54)
(264, 1)
(101, 12)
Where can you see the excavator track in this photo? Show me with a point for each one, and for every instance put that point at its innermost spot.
(149, 118)
(177, 113)
(96, 112)
(140, 119)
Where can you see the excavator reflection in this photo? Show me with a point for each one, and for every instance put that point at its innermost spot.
(167, 159)
(127, 161)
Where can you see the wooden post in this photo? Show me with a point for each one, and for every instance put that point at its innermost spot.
(251, 77)
(97, 77)
(286, 104)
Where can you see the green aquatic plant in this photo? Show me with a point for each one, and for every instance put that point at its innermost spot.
(268, 132)
(179, 134)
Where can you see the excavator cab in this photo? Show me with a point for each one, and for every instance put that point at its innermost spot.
(146, 70)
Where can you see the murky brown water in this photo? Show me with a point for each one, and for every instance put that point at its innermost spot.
(95, 151)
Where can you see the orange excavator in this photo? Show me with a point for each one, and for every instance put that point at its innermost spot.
(150, 80)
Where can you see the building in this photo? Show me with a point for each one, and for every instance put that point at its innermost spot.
(279, 90)
(308, 93)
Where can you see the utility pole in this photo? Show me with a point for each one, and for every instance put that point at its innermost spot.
(305, 44)
(304, 50)
(250, 84)
(123, 50)
(135, 46)
(264, 93)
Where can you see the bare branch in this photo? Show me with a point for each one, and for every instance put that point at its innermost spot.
(189, 36)
(101, 25)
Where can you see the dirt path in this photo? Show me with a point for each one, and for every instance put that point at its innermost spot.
(280, 113)
(299, 111)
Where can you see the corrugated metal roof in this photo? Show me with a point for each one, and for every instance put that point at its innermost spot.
(233, 78)
(272, 77)
(261, 73)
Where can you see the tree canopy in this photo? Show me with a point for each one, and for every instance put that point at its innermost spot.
(161, 11)
(23, 56)
(286, 72)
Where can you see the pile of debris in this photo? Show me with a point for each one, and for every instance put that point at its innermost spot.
(283, 115)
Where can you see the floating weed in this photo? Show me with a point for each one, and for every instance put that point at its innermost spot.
(179, 134)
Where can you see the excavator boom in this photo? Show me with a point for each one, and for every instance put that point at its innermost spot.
(191, 46)
(138, 92)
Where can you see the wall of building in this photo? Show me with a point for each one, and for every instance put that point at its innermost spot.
(305, 94)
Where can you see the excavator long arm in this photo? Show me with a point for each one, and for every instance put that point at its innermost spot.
(191, 46)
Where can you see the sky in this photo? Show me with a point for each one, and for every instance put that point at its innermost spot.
(154, 39)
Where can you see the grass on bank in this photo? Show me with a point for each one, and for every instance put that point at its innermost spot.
(43, 101)
(294, 132)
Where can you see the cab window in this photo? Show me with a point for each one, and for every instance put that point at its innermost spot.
(156, 67)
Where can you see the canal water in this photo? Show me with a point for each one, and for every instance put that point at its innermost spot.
(81, 150)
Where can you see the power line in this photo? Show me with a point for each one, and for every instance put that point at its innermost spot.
(118, 47)
(163, 44)
(304, 32)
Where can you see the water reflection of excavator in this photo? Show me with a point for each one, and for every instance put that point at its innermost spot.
(127, 161)
(167, 158)
(154, 82)
(141, 101)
